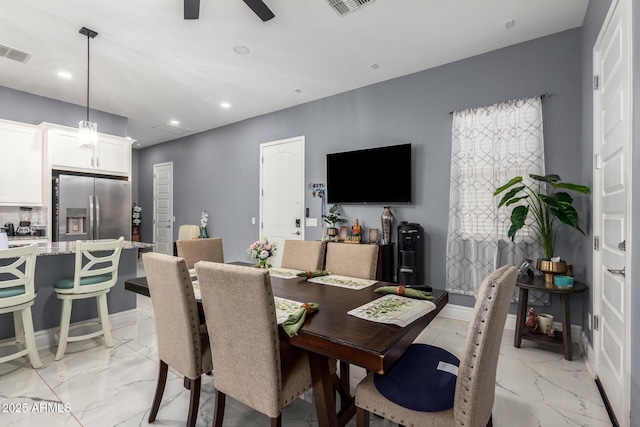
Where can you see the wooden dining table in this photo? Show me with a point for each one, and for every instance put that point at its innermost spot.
(332, 333)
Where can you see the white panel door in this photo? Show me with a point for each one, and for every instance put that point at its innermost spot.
(612, 204)
(282, 192)
(163, 207)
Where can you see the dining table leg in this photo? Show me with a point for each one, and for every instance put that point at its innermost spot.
(324, 393)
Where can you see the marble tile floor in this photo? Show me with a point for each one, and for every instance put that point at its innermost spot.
(94, 386)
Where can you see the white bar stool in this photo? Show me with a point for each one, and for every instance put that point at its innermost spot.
(93, 278)
(17, 295)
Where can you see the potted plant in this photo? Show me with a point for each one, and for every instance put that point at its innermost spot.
(333, 219)
(548, 211)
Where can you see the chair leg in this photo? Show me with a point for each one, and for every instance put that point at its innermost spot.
(490, 422)
(19, 330)
(194, 401)
(30, 338)
(103, 313)
(220, 401)
(65, 320)
(162, 380)
(276, 422)
(362, 417)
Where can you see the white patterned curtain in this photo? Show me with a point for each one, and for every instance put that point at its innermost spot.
(490, 145)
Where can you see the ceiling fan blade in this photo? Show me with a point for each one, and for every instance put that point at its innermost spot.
(259, 8)
(191, 9)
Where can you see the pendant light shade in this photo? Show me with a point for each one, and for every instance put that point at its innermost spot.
(88, 131)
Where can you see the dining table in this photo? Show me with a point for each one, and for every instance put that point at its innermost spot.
(332, 333)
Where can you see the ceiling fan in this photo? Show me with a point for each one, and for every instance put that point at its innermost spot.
(192, 9)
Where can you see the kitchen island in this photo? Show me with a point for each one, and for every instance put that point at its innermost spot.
(57, 260)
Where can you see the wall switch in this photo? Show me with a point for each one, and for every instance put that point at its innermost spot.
(253, 220)
(312, 222)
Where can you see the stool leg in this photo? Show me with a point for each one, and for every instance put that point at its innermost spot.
(19, 329)
(65, 321)
(103, 313)
(30, 338)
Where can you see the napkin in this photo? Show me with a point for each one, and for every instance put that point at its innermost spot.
(296, 319)
(405, 292)
(310, 274)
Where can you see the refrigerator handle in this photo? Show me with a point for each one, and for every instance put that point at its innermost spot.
(97, 217)
(91, 217)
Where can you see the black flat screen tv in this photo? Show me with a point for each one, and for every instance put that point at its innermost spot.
(375, 175)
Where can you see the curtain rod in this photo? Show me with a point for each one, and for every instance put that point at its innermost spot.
(544, 95)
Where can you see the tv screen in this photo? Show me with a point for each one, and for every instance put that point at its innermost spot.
(376, 175)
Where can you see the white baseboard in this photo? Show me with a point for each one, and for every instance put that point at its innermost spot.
(587, 355)
(460, 312)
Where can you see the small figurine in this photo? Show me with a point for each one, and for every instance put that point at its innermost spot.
(532, 321)
(552, 332)
(356, 228)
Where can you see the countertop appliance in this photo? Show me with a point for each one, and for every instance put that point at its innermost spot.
(9, 228)
(90, 208)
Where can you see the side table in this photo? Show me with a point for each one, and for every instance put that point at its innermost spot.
(537, 283)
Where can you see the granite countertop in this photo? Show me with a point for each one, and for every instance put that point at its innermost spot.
(62, 248)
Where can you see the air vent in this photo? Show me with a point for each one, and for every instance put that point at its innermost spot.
(172, 129)
(14, 54)
(345, 7)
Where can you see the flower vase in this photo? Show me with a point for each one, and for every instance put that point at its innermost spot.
(203, 233)
(262, 263)
(387, 220)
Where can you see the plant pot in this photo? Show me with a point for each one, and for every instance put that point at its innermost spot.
(551, 268)
(332, 232)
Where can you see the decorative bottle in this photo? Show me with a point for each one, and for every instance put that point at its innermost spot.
(387, 221)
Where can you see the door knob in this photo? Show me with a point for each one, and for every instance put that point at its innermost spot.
(297, 232)
(614, 271)
(622, 245)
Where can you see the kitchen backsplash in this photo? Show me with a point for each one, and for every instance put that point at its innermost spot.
(12, 214)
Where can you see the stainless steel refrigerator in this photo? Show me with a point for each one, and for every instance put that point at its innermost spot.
(90, 208)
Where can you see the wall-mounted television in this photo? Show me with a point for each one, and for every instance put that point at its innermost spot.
(376, 175)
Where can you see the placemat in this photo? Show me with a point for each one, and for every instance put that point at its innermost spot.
(284, 273)
(343, 281)
(393, 309)
(285, 307)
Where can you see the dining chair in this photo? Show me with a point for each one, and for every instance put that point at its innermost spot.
(305, 255)
(188, 232)
(428, 386)
(96, 271)
(200, 250)
(353, 260)
(183, 343)
(250, 362)
(17, 295)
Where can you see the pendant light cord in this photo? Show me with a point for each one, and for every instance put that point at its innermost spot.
(88, 68)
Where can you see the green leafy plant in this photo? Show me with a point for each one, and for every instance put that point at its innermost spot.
(549, 211)
(334, 217)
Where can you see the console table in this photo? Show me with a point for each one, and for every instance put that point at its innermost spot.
(537, 283)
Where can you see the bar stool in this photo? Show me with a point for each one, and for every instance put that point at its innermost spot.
(17, 295)
(93, 278)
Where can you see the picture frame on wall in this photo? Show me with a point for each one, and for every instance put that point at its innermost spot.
(523, 268)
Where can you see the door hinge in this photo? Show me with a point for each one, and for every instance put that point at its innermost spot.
(596, 322)
(262, 191)
(597, 161)
(262, 159)
(261, 225)
(596, 82)
(596, 243)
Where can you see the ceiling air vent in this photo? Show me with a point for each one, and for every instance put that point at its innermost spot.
(173, 129)
(14, 54)
(344, 7)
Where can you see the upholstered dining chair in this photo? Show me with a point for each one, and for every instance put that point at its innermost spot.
(305, 255)
(426, 387)
(250, 362)
(17, 295)
(200, 250)
(183, 343)
(353, 260)
(96, 271)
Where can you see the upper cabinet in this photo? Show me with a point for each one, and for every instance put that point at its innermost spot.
(21, 171)
(112, 155)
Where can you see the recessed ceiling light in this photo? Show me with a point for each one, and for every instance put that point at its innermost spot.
(64, 75)
(509, 24)
(225, 105)
(138, 144)
(174, 122)
(241, 50)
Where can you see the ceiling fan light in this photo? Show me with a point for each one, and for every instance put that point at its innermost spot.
(87, 134)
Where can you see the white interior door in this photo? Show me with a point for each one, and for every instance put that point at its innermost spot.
(163, 207)
(282, 192)
(612, 206)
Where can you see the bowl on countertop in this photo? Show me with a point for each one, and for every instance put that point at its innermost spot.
(563, 281)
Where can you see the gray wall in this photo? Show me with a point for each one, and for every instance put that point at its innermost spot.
(218, 170)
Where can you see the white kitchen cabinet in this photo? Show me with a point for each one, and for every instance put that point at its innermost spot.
(21, 170)
(112, 155)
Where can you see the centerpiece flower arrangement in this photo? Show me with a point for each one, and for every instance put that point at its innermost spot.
(262, 250)
(136, 218)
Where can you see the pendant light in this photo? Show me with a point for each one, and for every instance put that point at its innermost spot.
(88, 131)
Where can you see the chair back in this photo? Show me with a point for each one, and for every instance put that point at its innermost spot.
(188, 232)
(476, 385)
(96, 265)
(243, 332)
(175, 311)
(353, 260)
(200, 250)
(305, 255)
(16, 278)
